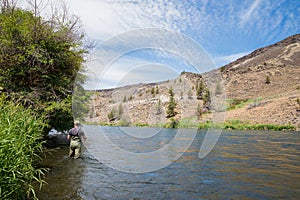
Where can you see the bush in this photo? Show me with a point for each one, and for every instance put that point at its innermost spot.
(173, 123)
(268, 81)
(20, 143)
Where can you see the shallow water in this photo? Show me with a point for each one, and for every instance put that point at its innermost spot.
(243, 165)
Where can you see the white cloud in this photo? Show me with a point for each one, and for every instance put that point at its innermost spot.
(127, 71)
(248, 13)
(221, 27)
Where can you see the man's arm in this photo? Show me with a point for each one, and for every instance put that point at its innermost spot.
(82, 134)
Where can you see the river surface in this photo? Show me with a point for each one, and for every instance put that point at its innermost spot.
(242, 165)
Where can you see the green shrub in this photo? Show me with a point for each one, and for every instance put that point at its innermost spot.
(268, 80)
(173, 123)
(222, 68)
(236, 103)
(21, 133)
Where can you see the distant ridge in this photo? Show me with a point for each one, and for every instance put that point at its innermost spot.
(250, 97)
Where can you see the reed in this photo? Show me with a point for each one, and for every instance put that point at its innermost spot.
(20, 147)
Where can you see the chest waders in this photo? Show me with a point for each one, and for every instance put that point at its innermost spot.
(75, 145)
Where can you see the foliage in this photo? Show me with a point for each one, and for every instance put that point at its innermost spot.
(139, 124)
(268, 81)
(80, 100)
(112, 115)
(171, 104)
(199, 111)
(206, 98)
(153, 91)
(59, 114)
(40, 59)
(222, 68)
(116, 114)
(172, 124)
(190, 94)
(20, 132)
(120, 111)
(200, 90)
(236, 103)
(157, 90)
(241, 125)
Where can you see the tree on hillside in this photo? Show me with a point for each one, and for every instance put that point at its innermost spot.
(207, 99)
(40, 58)
(268, 80)
(200, 90)
(171, 104)
(157, 90)
(199, 111)
(190, 94)
(158, 108)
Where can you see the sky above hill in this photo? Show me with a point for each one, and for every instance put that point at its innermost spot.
(225, 30)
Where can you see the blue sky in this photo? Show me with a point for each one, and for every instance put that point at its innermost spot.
(225, 29)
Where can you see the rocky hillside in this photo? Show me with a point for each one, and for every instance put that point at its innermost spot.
(265, 84)
(262, 87)
(147, 103)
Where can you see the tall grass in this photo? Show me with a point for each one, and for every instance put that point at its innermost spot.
(20, 145)
(241, 125)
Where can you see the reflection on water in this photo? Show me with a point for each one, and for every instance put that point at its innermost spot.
(243, 165)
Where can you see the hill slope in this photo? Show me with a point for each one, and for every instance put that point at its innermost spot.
(262, 87)
(272, 101)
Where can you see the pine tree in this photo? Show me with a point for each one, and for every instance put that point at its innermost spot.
(199, 111)
(199, 90)
(206, 98)
(171, 105)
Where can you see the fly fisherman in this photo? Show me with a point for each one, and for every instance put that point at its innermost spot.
(76, 135)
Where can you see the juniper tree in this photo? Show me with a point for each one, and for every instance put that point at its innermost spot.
(199, 111)
(199, 90)
(171, 104)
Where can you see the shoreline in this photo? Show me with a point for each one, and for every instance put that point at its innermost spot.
(228, 125)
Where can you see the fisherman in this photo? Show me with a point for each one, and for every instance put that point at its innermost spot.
(76, 135)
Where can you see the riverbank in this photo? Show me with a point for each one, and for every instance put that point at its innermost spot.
(228, 125)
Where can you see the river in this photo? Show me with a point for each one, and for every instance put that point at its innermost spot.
(242, 165)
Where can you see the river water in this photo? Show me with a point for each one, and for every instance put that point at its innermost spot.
(242, 165)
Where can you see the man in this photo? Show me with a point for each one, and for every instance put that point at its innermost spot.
(76, 135)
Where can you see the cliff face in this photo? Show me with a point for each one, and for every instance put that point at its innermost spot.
(262, 87)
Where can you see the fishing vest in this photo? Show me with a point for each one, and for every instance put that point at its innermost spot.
(74, 133)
